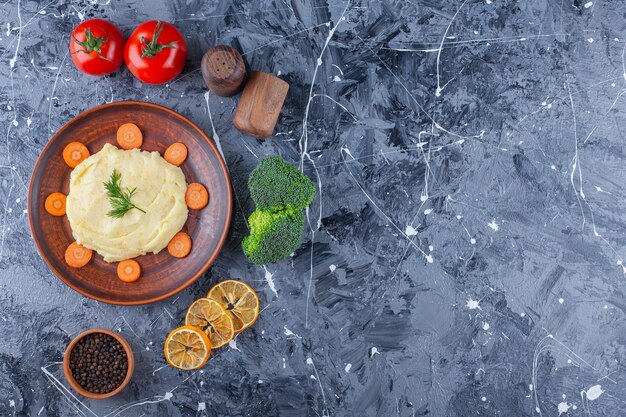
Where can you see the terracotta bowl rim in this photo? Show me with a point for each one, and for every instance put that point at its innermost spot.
(70, 378)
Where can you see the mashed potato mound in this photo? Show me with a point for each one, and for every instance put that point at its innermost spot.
(160, 192)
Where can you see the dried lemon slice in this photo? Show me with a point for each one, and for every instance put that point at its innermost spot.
(239, 300)
(187, 348)
(209, 316)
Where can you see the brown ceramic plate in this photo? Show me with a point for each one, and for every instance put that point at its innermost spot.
(162, 274)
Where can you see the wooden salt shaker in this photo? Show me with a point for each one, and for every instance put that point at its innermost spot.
(223, 70)
(260, 104)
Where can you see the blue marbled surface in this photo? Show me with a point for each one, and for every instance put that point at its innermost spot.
(464, 254)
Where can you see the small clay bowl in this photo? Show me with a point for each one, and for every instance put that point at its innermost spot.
(70, 377)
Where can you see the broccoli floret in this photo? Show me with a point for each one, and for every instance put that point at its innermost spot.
(280, 193)
(273, 235)
(276, 185)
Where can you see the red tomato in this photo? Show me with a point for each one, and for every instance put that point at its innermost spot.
(155, 52)
(97, 47)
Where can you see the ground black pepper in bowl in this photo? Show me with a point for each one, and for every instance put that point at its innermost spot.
(98, 363)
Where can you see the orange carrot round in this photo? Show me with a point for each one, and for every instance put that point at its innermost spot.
(129, 270)
(75, 153)
(77, 255)
(176, 154)
(196, 196)
(129, 136)
(180, 245)
(55, 204)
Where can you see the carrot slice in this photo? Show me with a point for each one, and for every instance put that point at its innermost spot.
(75, 153)
(196, 196)
(77, 255)
(180, 245)
(129, 270)
(176, 154)
(55, 204)
(129, 136)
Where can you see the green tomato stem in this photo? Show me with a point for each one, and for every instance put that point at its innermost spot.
(92, 43)
(153, 47)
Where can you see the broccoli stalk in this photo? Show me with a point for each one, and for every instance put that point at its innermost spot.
(280, 193)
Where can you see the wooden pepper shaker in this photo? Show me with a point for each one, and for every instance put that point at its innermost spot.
(223, 70)
(260, 104)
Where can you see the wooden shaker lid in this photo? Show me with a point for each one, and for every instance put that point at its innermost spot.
(223, 70)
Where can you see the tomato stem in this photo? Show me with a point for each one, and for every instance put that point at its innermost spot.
(153, 47)
(92, 43)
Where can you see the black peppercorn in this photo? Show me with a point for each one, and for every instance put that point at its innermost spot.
(98, 363)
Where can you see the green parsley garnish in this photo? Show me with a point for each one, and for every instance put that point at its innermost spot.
(118, 197)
